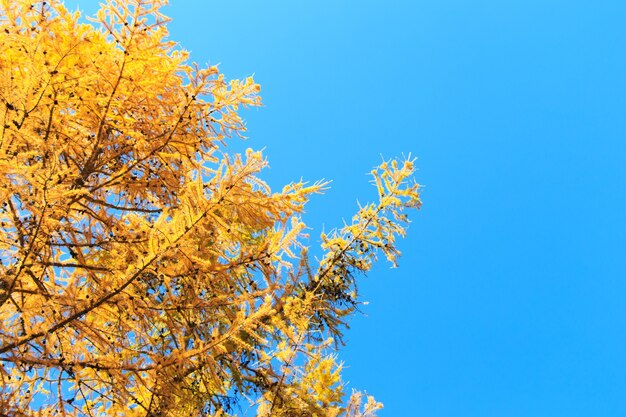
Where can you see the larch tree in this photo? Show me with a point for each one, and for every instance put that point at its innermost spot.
(144, 269)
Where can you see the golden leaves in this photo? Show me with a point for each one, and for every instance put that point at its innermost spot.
(143, 270)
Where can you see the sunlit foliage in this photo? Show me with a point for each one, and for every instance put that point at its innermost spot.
(143, 270)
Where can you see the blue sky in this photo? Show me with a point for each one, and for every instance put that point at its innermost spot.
(510, 299)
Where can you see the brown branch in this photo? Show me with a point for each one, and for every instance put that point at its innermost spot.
(121, 208)
(74, 265)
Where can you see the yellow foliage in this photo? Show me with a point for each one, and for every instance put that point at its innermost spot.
(143, 270)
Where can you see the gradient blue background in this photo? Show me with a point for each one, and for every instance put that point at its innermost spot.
(510, 299)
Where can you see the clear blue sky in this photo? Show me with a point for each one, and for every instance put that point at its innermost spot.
(510, 299)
